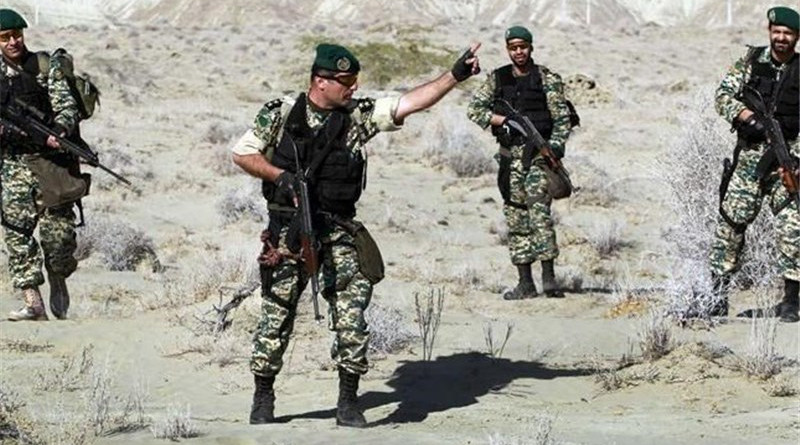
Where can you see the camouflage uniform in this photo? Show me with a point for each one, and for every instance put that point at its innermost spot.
(532, 236)
(21, 209)
(744, 197)
(345, 288)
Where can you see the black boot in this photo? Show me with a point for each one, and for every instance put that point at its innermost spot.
(525, 288)
(263, 410)
(788, 308)
(59, 295)
(347, 412)
(549, 281)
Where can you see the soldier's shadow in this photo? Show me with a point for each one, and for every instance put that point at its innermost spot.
(454, 381)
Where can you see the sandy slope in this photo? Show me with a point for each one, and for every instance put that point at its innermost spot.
(173, 99)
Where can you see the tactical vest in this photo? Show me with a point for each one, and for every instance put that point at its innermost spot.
(25, 88)
(526, 94)
(782, 98)
(335, 172)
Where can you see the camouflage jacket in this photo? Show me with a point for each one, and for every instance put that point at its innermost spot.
(65, 109)
(482, 103)
(737, 76)
(370, 117)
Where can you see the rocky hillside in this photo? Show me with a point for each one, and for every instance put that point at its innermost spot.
(602, 13)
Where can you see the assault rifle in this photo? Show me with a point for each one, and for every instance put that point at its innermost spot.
(25, 120)
(560, 183)
(533, 139)
(778, 152)
(308, 240)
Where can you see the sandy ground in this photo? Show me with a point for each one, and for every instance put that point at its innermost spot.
(173, 101)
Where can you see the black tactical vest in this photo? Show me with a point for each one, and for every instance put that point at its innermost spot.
(526, 94)
(335, 172)
(25, 88)
(781, 95)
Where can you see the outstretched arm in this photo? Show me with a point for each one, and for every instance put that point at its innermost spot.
(426, 95)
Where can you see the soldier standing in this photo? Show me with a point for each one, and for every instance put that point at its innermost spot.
(21, 78)
(537, 93)
(773, 72)
(325, 130)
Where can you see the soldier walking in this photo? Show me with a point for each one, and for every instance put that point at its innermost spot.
(324, 130)
(538, 93)
(22, 77)
(773, 72)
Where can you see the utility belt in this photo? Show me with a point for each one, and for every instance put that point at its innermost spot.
(370, 260)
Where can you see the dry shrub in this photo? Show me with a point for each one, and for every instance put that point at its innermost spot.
(454, 145)
(606, 238)
(429, 313)
(691, 171)
(493, 347)
(761, 359)
(655, 335)
(388, 330)
(100, 411)
(15, 424)
(217, 272)
(176, 424)
(782, 386)
(68, 374)
(120, 246)
(243, 202)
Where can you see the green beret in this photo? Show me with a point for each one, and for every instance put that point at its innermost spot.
(335, 58)
(519, 32)
(10, 19)
(783, 16)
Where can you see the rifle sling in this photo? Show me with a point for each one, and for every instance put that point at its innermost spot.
(727, 174)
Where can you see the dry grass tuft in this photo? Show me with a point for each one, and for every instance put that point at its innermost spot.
(176, 424)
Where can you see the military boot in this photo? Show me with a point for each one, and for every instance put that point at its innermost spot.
(788, 308)
(263, 410)
(347, 412)
(525, 288)
(33, 309)
(59, 295)
(549, 281)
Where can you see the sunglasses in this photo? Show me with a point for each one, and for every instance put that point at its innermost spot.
(6, 36)
(517, 46)
(347, 80)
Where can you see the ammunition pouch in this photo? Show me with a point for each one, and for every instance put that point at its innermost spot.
(60, 179)
(559, 186)
(370, 261)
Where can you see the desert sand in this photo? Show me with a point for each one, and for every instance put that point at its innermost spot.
(179, 88)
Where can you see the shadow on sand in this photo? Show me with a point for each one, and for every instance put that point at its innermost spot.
(454, 381)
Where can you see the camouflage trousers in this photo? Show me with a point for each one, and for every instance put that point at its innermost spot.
(531, 235)
(742, 203)
(346, 291)
(21, 215)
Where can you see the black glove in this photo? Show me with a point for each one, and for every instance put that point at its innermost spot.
(461, 69)
(752, 130)
(284, 185)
